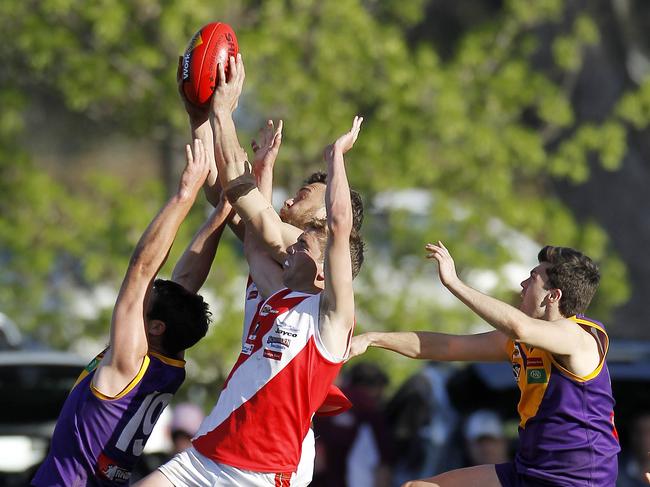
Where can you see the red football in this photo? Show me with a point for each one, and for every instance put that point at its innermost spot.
(211, 45)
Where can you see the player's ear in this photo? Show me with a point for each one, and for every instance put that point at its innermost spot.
(156, 327)
(555, 295)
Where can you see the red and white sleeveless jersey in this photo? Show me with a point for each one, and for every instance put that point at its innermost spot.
(281, 377)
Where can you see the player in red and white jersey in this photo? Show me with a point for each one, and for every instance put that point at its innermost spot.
(307, 204)
(299, 336)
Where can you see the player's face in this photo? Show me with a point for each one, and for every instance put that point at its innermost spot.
(307, 204)
(534, 292)
(304, 262)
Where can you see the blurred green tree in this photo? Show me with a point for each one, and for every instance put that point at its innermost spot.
(481, 121)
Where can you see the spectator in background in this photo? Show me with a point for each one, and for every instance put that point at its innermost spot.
(635, 462)
(485, 441)
(354, 448)
(186, 419)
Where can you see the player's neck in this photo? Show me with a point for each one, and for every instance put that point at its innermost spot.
(311, 288)
(160, 351)
(553, 314)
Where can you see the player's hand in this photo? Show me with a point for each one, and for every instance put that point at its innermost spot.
(346, 141)
(226, 93)
(446, 266)
(359, 344)
(196, 170)
(197, 115)
(267, 146)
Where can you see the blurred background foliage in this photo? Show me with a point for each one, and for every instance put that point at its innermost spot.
(472, 103)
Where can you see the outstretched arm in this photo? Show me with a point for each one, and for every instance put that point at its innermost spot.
(264, 270)
(337, 302)
(561, 337)
(235, 172)
(193, 267)
(128, 340)
(482, 347)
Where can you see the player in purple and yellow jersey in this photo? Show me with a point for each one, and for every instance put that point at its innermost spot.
(567, 436)
(111, 410)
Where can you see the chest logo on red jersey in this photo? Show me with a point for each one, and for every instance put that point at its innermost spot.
(278, 342)
(272, 354)
(266, 309)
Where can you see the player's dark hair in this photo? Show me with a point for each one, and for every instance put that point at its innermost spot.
(357, 246)
(185, 314)
(572, 272)
(355, 197)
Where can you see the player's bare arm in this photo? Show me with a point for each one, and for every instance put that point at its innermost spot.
(482, 347)
(337, 302)
(235, 172)
(193, 267)
(263, 269)
(128, 340)
(200, 129)
(561, 336)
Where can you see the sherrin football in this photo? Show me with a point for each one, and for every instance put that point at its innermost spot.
(211, 45)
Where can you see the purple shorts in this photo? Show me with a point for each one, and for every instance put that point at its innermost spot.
(509, 477)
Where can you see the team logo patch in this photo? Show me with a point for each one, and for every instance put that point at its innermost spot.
(253, 294)
(272, 354)
(108, 468)
(516, 370)
(266, 309)
(278, 342)
(247, 349)
(253, 334)
(536, 376)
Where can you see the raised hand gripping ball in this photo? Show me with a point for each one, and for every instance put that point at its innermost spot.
(211, 45)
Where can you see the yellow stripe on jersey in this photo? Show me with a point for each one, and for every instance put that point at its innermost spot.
(90, 367)
(169, 361)
(143, 368)
(593, 329)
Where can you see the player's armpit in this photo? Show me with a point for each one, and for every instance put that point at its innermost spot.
(335, 328)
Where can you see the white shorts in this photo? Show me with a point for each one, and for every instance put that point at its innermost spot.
(305, 471)
(190, 468)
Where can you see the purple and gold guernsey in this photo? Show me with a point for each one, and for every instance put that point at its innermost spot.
(567, 435)
(98, 439)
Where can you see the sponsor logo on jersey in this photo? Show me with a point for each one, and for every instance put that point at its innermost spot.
(253, 334)
(534, 362)
(247, 349)
(516, 369)
(536, 376)
(278, 341)
(272, 354)
(112, 471)
(266, 309)
(283, 332)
